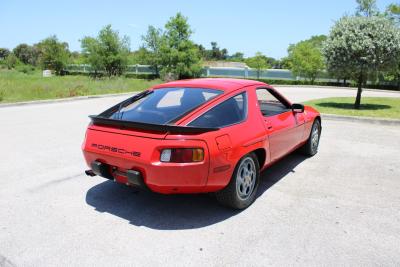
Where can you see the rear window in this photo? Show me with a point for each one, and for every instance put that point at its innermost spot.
(231, 111)
(163, 106)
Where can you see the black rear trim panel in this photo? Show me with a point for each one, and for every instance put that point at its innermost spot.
(99, 120)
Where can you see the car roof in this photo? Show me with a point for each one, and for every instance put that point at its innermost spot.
(225, 84)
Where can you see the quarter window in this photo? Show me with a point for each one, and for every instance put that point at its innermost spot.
(269, 104)
(231, 111)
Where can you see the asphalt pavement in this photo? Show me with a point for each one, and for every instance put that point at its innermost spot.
(341, 207)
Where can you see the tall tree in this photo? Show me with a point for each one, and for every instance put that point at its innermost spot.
(53, 54)
(179, 55)
(152, 43)
(26, 54)
(258, 62)
(216, 53)
(363, 46)
(306, 58)
(366, 8)
(107, 52)
(4, 52)
(393, 12)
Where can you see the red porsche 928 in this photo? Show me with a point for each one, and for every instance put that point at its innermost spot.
(198, 136)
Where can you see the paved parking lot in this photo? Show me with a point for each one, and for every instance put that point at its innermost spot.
(341, 207)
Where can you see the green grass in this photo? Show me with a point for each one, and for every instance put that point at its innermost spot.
(383, 107)
(17, 86)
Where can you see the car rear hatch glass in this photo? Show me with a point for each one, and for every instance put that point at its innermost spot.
(157, 110)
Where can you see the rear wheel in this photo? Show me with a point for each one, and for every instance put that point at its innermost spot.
(241, 190)
(310, 148)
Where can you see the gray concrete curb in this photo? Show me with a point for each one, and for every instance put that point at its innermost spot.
(60, 100)
(372, 120)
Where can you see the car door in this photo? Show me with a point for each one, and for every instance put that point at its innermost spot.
(283, 127)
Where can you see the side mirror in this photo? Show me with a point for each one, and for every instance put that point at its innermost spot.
(298, 108)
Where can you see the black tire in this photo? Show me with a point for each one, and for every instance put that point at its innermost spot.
(234, 194)
(310, 148)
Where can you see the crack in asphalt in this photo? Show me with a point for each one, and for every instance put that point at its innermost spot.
(54, 182)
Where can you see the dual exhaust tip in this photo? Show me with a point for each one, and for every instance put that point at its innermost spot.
(133, 177)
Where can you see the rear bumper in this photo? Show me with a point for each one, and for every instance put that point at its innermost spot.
(118, 154)
(165, 178)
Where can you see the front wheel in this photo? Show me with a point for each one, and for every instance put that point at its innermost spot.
(310, 148)
(241, 190)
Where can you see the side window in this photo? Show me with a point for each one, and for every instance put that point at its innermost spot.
(231, 111)
(269, 104)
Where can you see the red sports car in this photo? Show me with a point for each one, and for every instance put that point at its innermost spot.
(198, 136)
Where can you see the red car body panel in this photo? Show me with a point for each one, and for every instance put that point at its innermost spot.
(270, 138)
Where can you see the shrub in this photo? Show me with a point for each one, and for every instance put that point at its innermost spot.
(27, 69)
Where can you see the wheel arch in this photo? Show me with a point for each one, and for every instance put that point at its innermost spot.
(261, 154)
(318, 117)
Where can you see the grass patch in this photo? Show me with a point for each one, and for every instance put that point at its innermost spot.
(18, 86)
(383, 107)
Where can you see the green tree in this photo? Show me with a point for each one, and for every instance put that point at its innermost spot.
(142, 56)
(393, 12)
(285, 63)
(306, 59)
(107, 52)
(4, 52)
(238, 56)
(77, 58)
(202, 51)
(272, 62)
(152, 43)
(53, 54)
(258, 62)
(26, 54)
(179, 55)
(366, 7)
(11, 61)
(215, 53)
(363, 46)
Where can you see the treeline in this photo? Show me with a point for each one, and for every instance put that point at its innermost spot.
(360, 47)
(49, 53)
(169, 51)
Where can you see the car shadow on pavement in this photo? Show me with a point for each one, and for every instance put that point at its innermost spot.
(175, 212)
(279, 170)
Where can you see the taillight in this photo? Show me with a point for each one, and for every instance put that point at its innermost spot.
(182, 155)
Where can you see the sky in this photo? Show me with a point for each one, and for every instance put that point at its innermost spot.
(246, 26)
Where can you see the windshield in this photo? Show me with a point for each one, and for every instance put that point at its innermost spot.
(163, 106)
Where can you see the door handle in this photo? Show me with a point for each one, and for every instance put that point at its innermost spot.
(268, 124)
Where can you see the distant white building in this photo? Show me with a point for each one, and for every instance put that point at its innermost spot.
(46, 73)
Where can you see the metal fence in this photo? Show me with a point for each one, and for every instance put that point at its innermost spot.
(271, 74)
